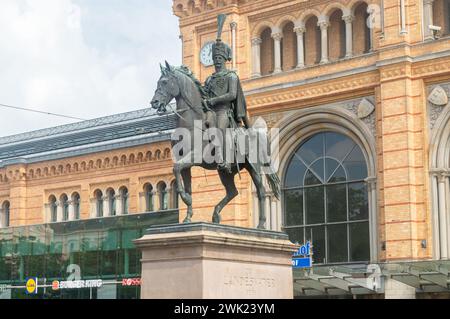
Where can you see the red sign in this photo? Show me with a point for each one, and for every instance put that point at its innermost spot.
(130, 282)
(55, 285)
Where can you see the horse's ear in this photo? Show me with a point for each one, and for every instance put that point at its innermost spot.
(163, 70)
(169, 67)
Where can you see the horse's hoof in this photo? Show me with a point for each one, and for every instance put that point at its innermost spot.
(187, 221)
(262, 226)
(216, 219)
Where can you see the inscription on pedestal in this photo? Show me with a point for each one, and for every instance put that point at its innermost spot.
(249, 281)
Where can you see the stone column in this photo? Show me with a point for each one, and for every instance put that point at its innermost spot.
(93, 202)
(324, 36)
(105, 206)
(443, 215)
(169, 198)
(372, 192)
(2, 219)
(71, 210)
(428, 19)
(277, 50)
(348, 35)
(233, 26)
(142, 204)
(256, 57)
(435, 217)
(300, 31)
(402, 17)
(119, 204)
(59, 211)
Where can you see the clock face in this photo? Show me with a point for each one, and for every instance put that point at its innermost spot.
(206, 57)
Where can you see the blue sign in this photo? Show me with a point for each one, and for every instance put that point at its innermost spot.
(303, 256)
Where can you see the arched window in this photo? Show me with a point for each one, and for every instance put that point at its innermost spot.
(53, 209)
(336, 38)
(326, 199)
(174, 195)
(5, 215)
(313, 45)
(99, 203)
(267, 52)
(361, 31)
(124, 198)
(441, 15)
(163, 196)
(65, 207)
(76, 205)
(111, 201)
(148, 193)
(289, 47)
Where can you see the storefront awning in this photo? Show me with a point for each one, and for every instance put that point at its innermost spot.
(364, 279)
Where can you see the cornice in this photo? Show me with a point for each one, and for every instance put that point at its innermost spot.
(295, 94)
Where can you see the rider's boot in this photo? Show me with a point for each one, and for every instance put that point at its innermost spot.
(224, 166)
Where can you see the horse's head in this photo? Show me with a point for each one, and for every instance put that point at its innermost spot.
(167, 89)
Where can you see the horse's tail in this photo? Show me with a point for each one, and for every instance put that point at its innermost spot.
(274, 184)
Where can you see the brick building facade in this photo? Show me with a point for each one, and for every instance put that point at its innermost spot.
(360, 92)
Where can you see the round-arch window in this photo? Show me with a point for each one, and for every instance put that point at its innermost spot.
(326, 199)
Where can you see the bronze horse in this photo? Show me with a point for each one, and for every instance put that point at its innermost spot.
(180, 84)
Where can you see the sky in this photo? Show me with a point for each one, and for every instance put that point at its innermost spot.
(81, 58)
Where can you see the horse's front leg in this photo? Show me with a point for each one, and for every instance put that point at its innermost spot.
(187, 181)
(185, 197)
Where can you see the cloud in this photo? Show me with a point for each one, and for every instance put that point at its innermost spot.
(84, 58)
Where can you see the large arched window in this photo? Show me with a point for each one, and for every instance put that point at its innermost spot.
(148, 193)
(124, 200)
(53, 209)
(76, 205)
(5, 215)
(326, 199)
(64, 200)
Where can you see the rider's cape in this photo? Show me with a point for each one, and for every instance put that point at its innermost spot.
(240, 106)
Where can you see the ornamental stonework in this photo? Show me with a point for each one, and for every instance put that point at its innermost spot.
(367, 116)
(436, 96)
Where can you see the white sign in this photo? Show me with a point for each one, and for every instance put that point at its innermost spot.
(77, 284)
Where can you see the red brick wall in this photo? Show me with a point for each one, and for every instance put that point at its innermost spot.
(267, 54)
(336, 36)
(289, 56)
(312, 42)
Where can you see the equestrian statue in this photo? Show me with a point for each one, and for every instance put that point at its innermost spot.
(220, 105)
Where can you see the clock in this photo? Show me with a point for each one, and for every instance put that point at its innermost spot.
(206, 57)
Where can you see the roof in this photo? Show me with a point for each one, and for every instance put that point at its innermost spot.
(106, 133)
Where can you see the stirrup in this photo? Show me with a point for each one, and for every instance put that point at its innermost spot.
(225, 167)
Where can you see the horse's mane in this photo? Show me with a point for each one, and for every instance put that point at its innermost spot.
(186, 71)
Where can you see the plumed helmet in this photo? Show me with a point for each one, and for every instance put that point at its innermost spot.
(222, 49)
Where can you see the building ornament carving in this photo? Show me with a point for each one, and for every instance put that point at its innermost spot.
(365, 109)
(438, 94)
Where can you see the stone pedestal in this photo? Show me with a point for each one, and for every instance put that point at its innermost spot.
(208, 261)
